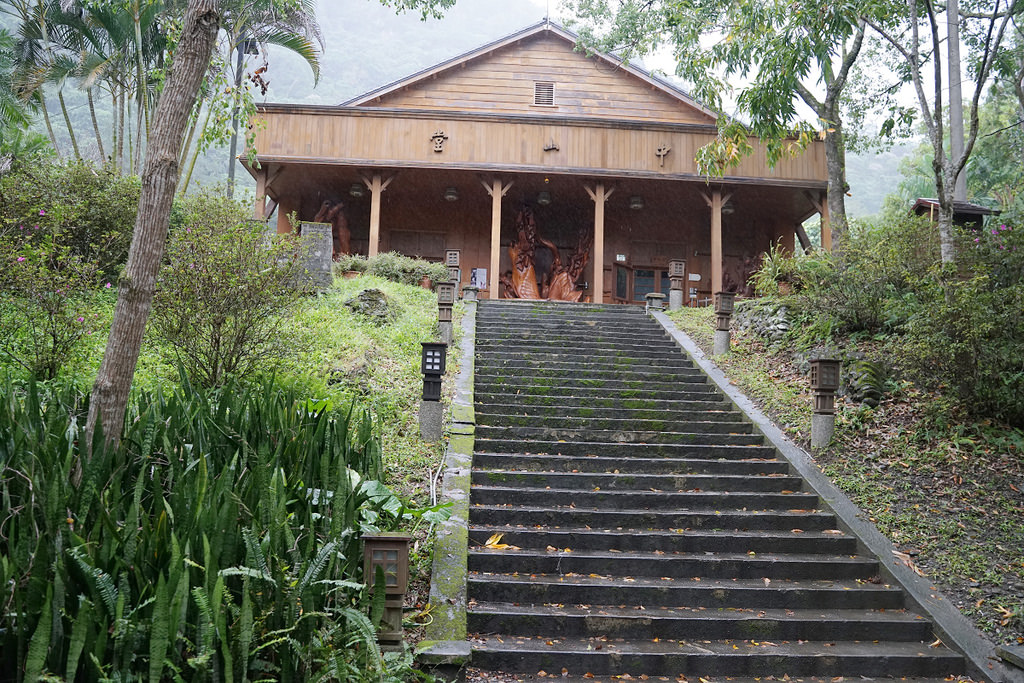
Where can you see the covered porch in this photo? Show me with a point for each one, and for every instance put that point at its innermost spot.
(420, 183)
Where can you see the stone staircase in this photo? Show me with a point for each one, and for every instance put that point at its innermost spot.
(652, 532)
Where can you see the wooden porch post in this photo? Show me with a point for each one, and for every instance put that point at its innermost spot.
(826, 226)
(376, 185)
(600, 195)
(715, 201)
(497, 190)
(260, 209)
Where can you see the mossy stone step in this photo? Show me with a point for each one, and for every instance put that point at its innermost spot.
(635, 465)
(496, 361)
(676, 541)
(707, 519)
(651, 500)
(592, 481)
(651, 356)
(584, 436)
(769, 566)
(634, 377)
(497, 413)
(704, 400)
(698, 623)
(694, 592)
(679, 391)
(694, 425)
(700, 451)
(704, 657)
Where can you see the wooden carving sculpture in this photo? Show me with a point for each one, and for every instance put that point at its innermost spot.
(522, 251)
(560, 282)
(333, 213)
(562, 286)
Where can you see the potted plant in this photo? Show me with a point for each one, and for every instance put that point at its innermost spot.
(350, 265)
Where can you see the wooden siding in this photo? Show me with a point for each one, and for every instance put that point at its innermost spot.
(502, 81)
(402, 139)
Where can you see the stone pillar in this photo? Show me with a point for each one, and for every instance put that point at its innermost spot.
(824, 383)
(677, 278)
(316, 249)
(724, 302)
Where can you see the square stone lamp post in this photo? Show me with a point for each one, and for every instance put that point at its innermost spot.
(824, 384)
(445, 302)
(432, 365)
(676, 274)
(387, 554)
(724, 304)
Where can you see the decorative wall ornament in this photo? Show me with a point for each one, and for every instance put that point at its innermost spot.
(661, 153)
(438, 139)
(552, 146)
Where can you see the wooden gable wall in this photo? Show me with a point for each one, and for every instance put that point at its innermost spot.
(502, 82)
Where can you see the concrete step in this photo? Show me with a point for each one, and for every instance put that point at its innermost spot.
(703, 400)
(607, 379)
(639, 622)
(651, 355)
(796, 541)
(712, 434)
(653, 592)
(752, 657)
(807, 519)
(737, 433)
(676, 565)
(570, 361)
(634, 465)
(583, 348)
(693, 425)
(640, 499)
(592, 375)
(622, 450)
(583, 395)
(632, 482)
(507, 413)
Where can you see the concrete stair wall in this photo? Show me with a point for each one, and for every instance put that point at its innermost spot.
(652, 531)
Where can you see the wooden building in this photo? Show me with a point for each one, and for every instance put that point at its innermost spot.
(447, 158)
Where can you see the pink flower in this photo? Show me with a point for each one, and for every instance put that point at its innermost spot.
(81, 319)
(42, 212)
(20, 259)
(107, 286)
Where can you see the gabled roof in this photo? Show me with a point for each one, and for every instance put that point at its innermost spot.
(542, 27)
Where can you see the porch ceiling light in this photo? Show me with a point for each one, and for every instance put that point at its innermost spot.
(451, 195)
(636, 202)
(357, 190)
(728, 208)
(544, 198)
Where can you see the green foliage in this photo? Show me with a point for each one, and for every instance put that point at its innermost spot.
(350, 263)
(405, 269)
(89, 209)
(958, 332)
(223, 291)
(47, 301)
(218, 542)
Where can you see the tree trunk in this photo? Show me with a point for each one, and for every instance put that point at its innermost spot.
(835, 162)
(49, 126)
(67, 122)
(95, 125)
(159, 179)
(232, 161)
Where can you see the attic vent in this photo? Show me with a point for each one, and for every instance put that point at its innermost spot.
(544, 93)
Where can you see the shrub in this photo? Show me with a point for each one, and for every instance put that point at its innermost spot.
(406, 270)
(218, 542)
(223, 291)
(350, 263)
(89, 209)
(46, 299)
